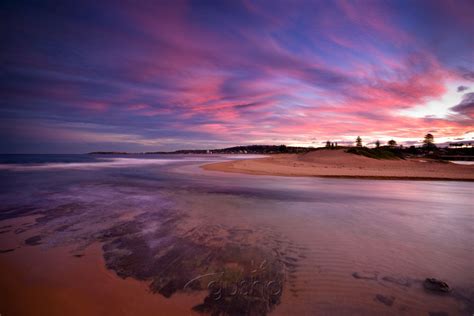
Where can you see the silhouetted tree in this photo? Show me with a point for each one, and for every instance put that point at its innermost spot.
(392, 143)
(328, 144)
(335, 144)
(428, 142)
(377, 143)
(429, 139)
(282, 149)
(358, 141)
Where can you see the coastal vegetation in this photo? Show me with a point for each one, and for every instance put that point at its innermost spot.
(376, 153)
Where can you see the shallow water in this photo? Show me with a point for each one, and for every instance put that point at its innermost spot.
(463, 162)
(313, 245)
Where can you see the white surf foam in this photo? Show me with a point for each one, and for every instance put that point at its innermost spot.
(102, 163)
(120, 162)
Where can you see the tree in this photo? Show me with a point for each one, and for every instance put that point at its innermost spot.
(358, 141)
(428, 142)
(392, 143)
(412, 150)
(377, 143)
(328, 144)
(429, 139)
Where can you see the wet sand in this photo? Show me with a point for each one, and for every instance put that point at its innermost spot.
(339, 164)
(355, 260)
(64, 281)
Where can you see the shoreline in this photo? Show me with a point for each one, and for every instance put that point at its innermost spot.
(339, 164)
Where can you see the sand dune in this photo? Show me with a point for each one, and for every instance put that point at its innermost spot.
(338, 163)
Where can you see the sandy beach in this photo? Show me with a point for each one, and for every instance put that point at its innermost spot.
(338, 163)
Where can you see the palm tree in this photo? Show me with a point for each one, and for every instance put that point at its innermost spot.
(358, 141)
(377, 143)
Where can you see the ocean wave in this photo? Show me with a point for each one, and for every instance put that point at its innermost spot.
(101, 163)
(117, 162)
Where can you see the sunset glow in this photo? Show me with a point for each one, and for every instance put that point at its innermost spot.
(104, 75)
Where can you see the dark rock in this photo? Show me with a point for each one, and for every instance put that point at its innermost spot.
(365, 275)
(168, 289)
(387, 300)
(436, 285)
(247, 280)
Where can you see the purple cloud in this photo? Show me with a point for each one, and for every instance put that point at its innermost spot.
(156, 76)
(466, 106)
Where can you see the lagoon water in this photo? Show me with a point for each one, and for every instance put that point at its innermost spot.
(333, 246)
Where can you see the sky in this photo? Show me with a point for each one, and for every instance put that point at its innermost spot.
(80, 76)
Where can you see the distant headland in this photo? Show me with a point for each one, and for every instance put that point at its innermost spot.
(389, 151)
